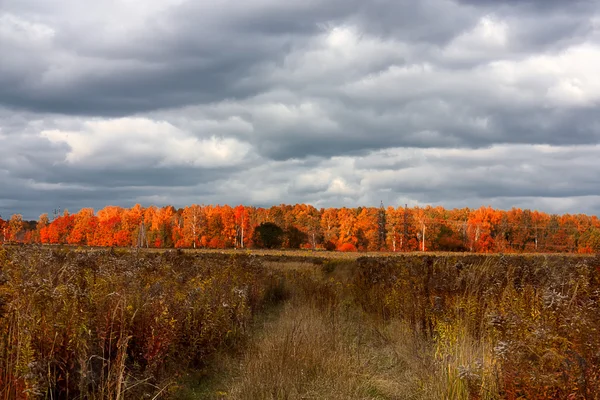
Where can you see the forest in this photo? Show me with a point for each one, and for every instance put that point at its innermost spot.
(302, 226)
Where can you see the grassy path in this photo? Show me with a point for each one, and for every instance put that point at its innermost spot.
(319, 345)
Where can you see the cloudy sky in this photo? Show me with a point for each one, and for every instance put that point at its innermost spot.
(329, 102)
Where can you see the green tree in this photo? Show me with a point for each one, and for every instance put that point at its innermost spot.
(295, 237)
(268, 236)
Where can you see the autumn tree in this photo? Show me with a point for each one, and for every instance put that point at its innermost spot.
(3, 230)
(347, 227)
(330, 226)
(307, 220)
(165, 219)
(109, 223)
(482, 223)
(381, 227)
(60, 229)
(85, 223)
(42, 228)
(276, 215)
(131, 221)
(215, 237)
(589, 241)
(242, 226)
(421, 220)
(193, 222)
(448, 239)
(367, 230)
(229, 231)
(15, 228)
(393, 223)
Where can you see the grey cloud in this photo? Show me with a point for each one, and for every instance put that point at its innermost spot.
(499, 172)
(534, 4)
(307, 101)
(184, 55)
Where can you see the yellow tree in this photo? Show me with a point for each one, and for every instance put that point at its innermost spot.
(330, 226)
(42, 228)
(367, 229)
(15, 228)
(395, 228)
(193, 222)
(347, 221)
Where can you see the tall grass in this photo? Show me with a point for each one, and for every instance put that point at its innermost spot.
(120, 325)
(503, 327)
(109, 325)
(475, 327)
(322, 346)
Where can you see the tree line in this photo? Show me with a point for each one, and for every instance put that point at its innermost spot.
(303, 226)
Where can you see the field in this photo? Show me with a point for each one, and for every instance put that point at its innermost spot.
(121, 324)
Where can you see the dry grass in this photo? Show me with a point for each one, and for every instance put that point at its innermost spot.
(114, 325)
(324, 347)
(108, 324)
(475, 327)
(507, 327)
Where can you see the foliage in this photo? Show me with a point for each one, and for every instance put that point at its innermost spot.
(125, 324)
(295, 238)
(347, 247)
(503, 326)
(268, 236)
(116, 325)
(401, 229)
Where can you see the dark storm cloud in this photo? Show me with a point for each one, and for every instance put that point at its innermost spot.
(328, 102)
(190, 53)
(193, 53)
(538, 5)
(116, 177)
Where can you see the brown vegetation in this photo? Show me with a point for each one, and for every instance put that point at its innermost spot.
(503, 327)
(111, 325)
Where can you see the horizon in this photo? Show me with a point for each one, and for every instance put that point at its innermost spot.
(59, 212)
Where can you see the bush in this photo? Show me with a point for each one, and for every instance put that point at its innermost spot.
(347, 247)
(329, 246)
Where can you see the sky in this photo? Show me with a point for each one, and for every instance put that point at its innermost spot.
(458, 103)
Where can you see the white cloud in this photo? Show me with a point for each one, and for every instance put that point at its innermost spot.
(24, 32)
(489, 39)
(340, 53)
(141, 141)
(565, 79)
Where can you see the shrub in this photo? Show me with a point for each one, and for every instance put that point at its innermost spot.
(347, 247)
(329, 246)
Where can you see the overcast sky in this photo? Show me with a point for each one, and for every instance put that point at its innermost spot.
(327, 102)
